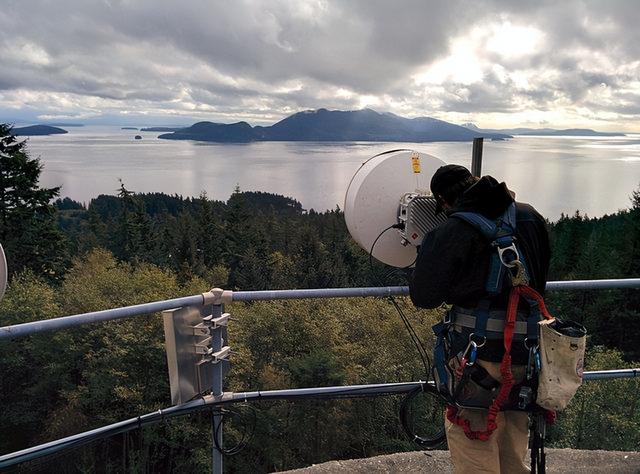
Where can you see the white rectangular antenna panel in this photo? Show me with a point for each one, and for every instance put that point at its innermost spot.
(186, 340)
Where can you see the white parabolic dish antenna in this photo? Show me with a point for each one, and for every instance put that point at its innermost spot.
(3, 272)
(373, 200)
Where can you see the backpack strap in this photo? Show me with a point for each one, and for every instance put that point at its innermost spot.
(501, 235)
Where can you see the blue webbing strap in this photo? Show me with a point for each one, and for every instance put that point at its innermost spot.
(495, 278)
(440, 358)
(482, 316)
(490, 230)
(509, 217)
(487, 227)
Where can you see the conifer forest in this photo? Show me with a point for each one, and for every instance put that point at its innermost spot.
(67, 257)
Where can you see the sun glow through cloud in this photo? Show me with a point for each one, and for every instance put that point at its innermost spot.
(466, 62)
(511, 41)
(462, 65)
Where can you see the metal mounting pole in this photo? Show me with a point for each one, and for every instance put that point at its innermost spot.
(476, 157)
(216, 389)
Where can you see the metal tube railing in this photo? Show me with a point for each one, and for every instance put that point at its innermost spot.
(611, 374)
(207, 401)
(321, 293)
(26, 329)
(80, 439)
(210, 401)
(65, 322)
(610, 284)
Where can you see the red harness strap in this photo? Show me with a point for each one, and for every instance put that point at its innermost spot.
(505, 366)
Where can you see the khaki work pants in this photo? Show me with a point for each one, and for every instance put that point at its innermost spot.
(507, 448)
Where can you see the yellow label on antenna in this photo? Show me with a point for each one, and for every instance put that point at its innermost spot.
(415, 163)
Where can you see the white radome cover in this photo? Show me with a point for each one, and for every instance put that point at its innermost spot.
(373, 196)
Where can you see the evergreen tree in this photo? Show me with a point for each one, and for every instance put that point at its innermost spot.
(209, 234)
(237, 233)
(186, 255)
(28, 228)
(135, 236)
(97, 229)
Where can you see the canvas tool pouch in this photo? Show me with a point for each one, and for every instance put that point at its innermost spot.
(562, 345)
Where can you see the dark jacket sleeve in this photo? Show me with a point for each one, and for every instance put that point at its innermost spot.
(440, 259)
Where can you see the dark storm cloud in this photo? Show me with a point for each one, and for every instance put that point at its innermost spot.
(268, 58)
(356, 44)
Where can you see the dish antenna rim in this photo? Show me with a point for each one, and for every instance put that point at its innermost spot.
(3, 272)
(375, 197)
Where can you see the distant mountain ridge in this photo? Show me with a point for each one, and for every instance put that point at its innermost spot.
(571, 132)
(334, 125)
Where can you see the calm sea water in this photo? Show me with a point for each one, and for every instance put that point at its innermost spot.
(595, 175)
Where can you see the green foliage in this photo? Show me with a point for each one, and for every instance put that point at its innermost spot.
(32, 368)
(136, 248)
(253, 241)
(67, 204)
(28, 230)
(70, 381)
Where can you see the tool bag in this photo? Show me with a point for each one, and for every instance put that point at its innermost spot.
(562, 346)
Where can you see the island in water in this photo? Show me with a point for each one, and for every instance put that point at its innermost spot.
(34, 130)
(128, 128)
(546, 132)
(334, 125)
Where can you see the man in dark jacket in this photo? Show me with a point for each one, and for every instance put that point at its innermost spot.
(452, 268)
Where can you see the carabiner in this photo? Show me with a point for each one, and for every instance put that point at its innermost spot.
(470, 354)
(511, 263)
(474, 353)
(531, 362)
(484, 340)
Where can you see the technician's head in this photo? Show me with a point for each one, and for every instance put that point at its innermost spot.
(448, 184)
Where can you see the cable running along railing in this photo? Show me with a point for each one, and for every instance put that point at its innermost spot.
(204, 319)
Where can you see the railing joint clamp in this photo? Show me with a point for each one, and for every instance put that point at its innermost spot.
(217, 296)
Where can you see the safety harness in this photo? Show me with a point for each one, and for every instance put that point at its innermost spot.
(507, 269)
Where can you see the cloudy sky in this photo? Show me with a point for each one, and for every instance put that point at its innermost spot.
(496, 63)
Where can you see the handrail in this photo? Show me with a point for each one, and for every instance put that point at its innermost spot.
(210, 401)
(64, 322)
